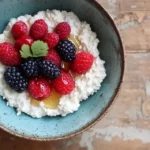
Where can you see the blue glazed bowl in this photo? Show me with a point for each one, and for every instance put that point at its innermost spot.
(94, 108)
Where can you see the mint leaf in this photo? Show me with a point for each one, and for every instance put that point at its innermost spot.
(39, 49)
(25, 51)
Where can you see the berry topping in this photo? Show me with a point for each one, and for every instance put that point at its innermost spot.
(53, 57)
(15, 79)
(38, 29)
(39, 88)
(9, 56)
(63, 29)
(31, 67)
(25, 39)
(51, 39)
(49, 69)
(66, 50)
(82, 63)
(41, 62)
(19, 29)
(64, 84)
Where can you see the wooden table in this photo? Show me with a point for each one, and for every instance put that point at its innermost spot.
(127, 125)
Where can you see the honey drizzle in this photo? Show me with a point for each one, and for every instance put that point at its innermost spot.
(75, 40)
(51, 102)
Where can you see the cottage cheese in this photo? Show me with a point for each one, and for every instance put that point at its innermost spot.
(86, 84)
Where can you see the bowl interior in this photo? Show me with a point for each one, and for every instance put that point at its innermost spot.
(90, 110)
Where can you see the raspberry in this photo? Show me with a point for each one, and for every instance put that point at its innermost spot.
(9, 56)
(38, 29)
(64, 84)
(53, 57)
(82, 63)
(25, 39)
(19, 29)
(31, 67)
(51, 39)
(66, 49)
(49, 69)
(39, 88)
(15, 79)
(63, 29)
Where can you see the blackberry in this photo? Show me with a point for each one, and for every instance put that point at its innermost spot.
(66, 50)
(49, 69)
(15, 79)
(30, 67)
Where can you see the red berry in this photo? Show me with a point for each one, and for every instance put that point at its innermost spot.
(82, 63)
(38, 29)
(63, 29)
(19, 29)
(9, 56)
(39, 88)
(64, 84)
(51, 39)
(53, 57)
(25, 39)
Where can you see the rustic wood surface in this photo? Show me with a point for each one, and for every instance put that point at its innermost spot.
(127, 125)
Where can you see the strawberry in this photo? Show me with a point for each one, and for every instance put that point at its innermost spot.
(9, 56)
(82, 63)
(51, 39)
(19, 29)
(39, 88)
(38, 29)
(63, 29)
(25, 39)
(64, 84)
(53, 57)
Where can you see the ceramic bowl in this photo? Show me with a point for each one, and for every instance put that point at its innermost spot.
(94, 108)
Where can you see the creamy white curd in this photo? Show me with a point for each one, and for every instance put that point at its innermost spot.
(85, 85)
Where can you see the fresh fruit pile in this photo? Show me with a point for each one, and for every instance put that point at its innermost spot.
(35, 60)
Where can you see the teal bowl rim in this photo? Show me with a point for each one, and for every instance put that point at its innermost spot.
(113, 99)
